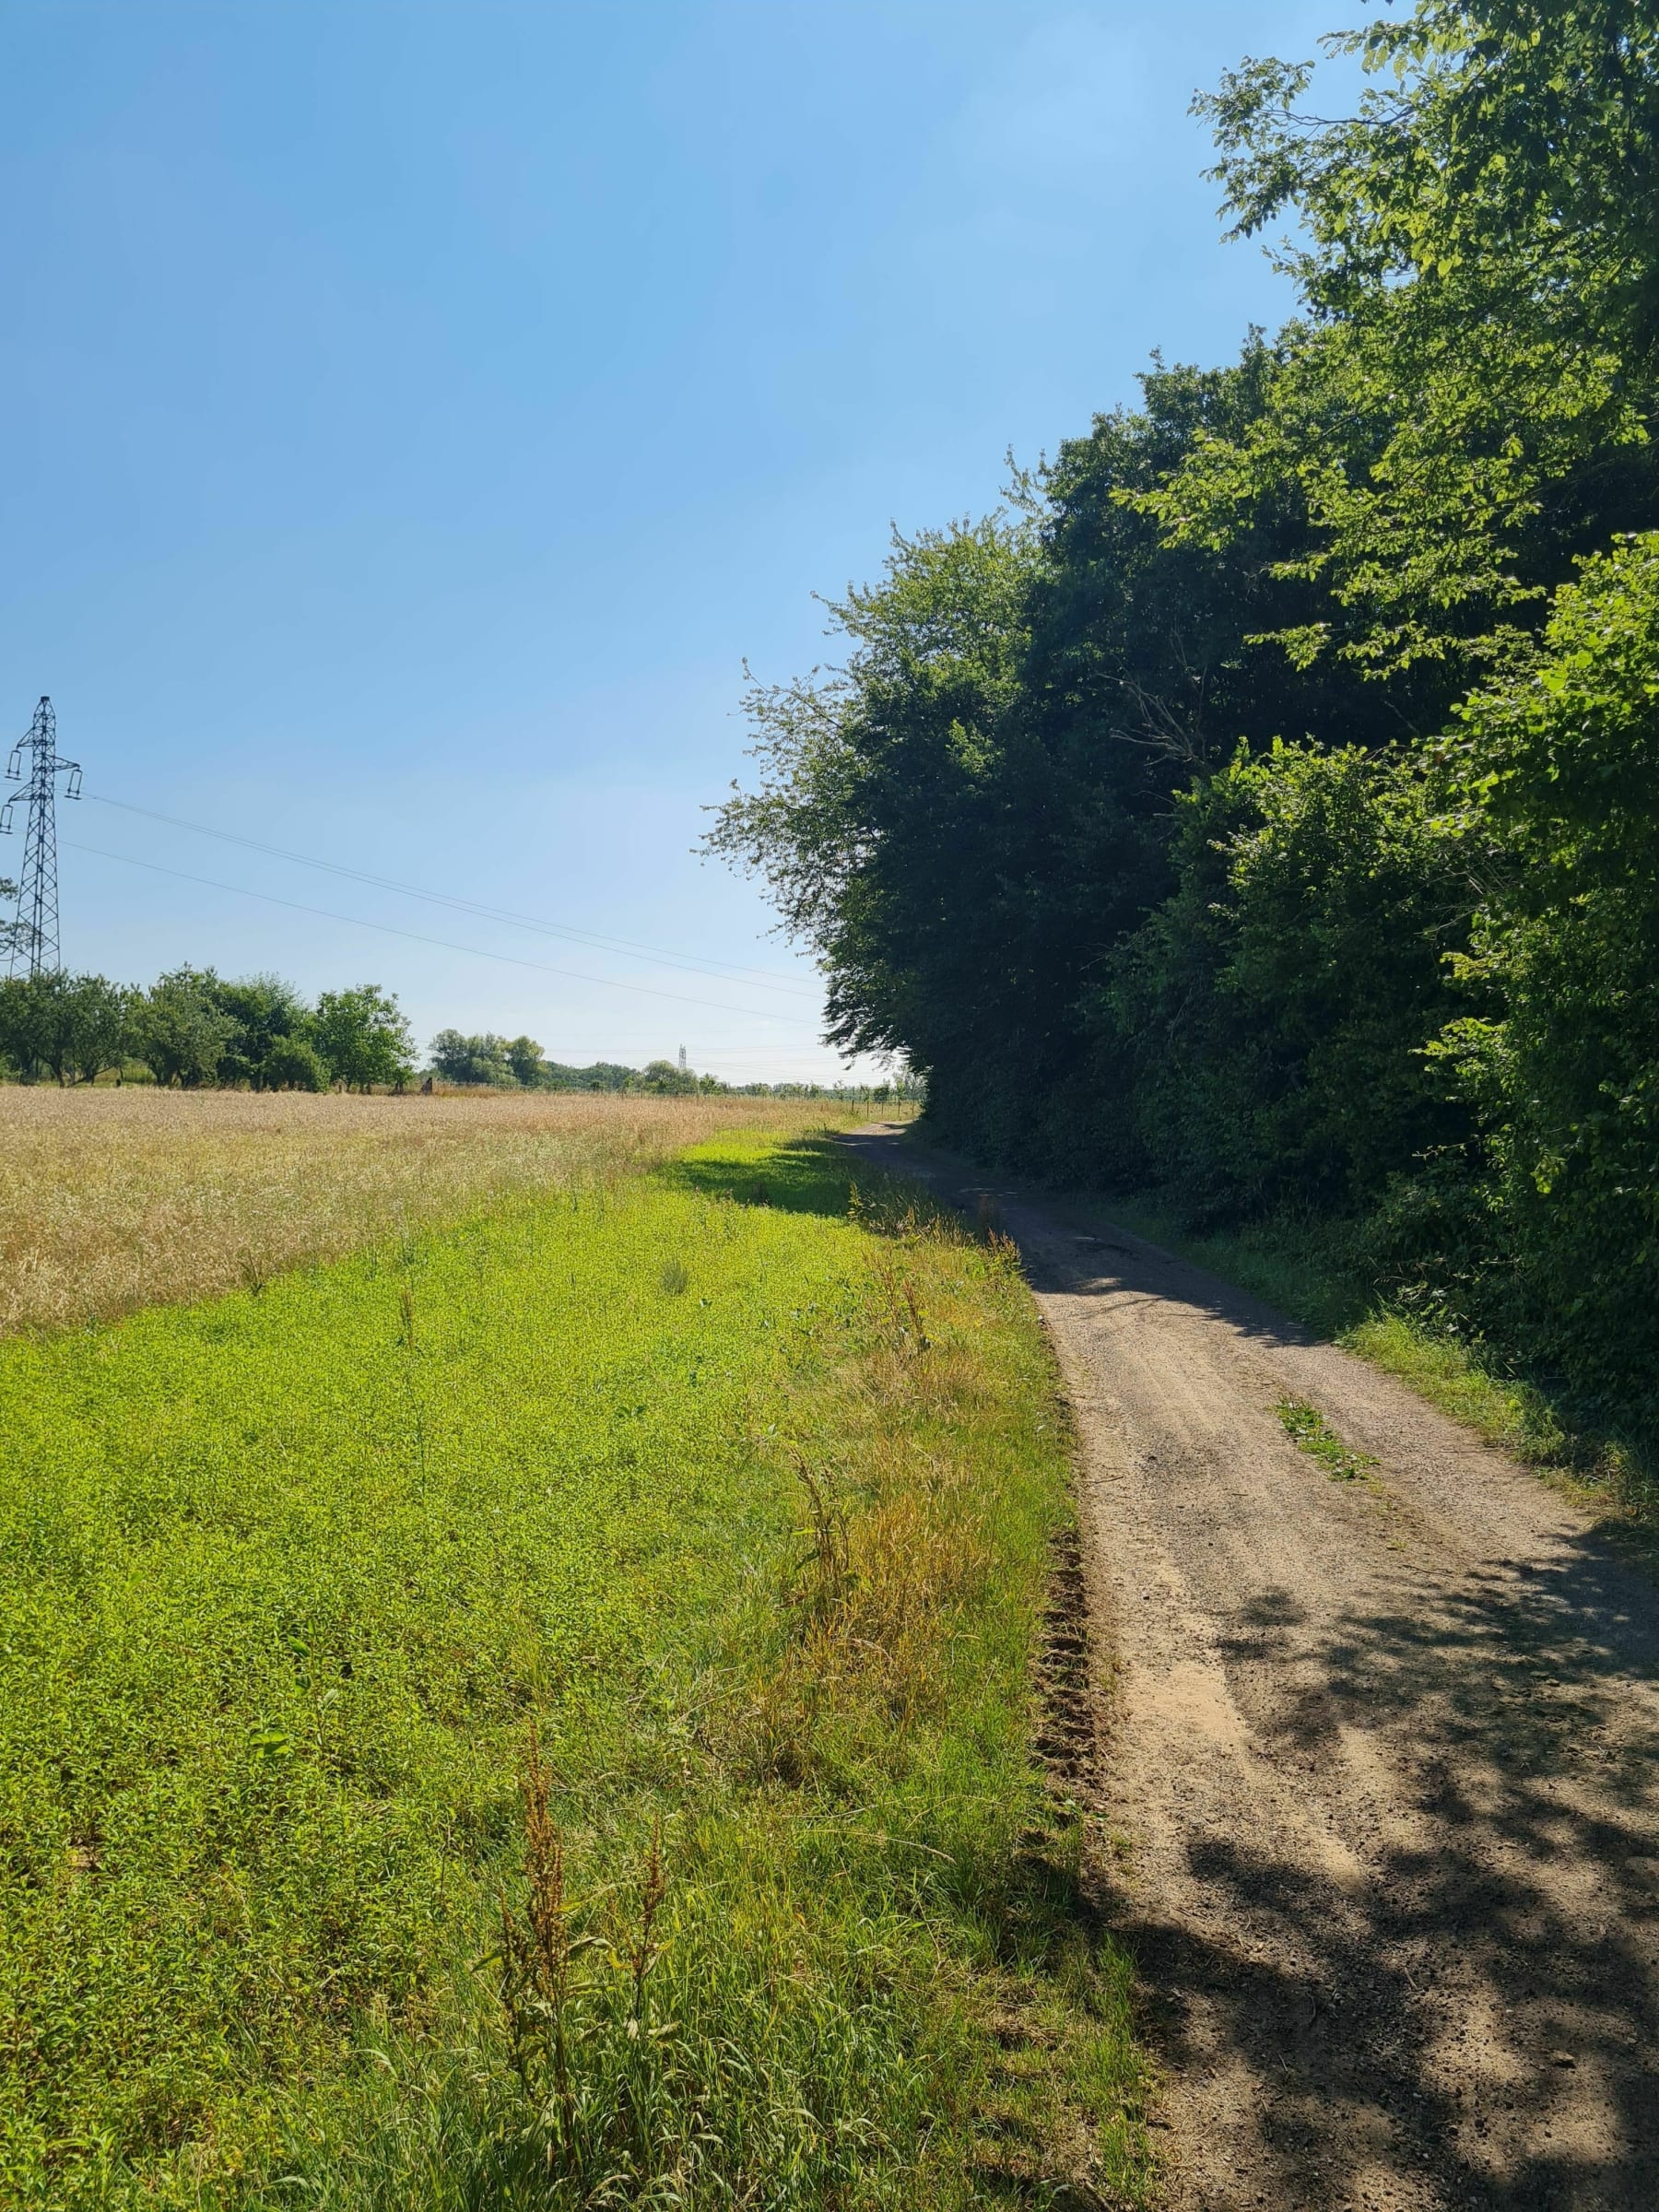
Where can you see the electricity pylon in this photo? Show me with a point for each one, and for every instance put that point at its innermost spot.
(34, 946)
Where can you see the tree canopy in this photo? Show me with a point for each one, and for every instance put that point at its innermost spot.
(1262, 806)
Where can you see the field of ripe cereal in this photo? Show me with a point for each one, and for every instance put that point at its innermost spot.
(112, 1199)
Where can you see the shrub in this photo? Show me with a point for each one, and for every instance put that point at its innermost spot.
(293, 1063)
(482, 1059)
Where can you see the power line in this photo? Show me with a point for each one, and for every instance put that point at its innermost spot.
(477, 951)
(690, 964)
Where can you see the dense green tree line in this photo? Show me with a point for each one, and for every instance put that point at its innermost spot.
(1263, 805)
(195, 1029)
(518, 1062)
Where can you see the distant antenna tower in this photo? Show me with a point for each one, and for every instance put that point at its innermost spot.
(682, 1059)
(35, 939)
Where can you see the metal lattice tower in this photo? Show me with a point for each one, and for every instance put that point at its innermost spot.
(35, 939)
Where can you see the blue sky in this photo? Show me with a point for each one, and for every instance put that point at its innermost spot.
(418, 410)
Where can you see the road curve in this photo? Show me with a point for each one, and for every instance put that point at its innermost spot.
(1376, 1759)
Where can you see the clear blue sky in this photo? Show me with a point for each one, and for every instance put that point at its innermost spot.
(416, 409)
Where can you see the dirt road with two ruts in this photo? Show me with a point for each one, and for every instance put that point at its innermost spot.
(1374, 1761)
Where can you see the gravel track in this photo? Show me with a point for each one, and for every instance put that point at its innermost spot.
(1375, 1758)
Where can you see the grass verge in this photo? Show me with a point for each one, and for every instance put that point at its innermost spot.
(538, 1714)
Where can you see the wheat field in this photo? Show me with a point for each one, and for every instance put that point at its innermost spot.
(113, 1199)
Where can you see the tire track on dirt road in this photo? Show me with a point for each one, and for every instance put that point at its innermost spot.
(1376, 1760)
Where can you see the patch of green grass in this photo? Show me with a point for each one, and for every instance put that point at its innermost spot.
(1505, 1411)
(1310, 1432)
(538, 1716)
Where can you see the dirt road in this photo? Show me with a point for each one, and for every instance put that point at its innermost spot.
(1376, 1764)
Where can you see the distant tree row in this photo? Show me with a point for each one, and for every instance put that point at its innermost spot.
(518, 1062)
(195, 1029)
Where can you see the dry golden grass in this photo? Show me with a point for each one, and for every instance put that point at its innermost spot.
(113, 1199)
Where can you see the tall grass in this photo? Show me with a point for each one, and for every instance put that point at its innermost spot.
(538, 1714)
(115, 1199)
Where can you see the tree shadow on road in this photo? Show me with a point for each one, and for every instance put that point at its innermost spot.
(1481, 2011)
